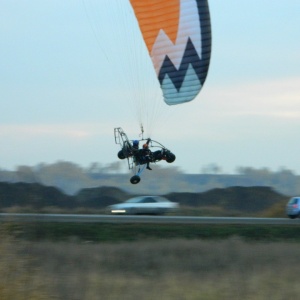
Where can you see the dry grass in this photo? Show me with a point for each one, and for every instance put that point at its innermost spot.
(20, 280)
(158, 269)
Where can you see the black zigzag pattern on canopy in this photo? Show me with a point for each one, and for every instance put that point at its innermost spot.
(190, 55)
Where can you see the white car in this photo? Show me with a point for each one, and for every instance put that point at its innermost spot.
(144, 205)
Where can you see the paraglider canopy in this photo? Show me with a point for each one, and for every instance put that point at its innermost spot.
(177, 34)
(157, 53)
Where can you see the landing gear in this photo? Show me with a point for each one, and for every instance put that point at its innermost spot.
(121, 154)
(170, 157)
(164, 154)
(135, 179)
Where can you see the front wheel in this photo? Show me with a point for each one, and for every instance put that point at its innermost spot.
(135, 179)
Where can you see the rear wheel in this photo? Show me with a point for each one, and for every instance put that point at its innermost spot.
(135, 179)
(121, 154)
(157, 155)
(170, 157)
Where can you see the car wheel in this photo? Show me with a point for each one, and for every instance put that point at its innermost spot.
(135, 179)
(293, 216)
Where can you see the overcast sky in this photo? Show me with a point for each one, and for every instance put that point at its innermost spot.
(61, 96)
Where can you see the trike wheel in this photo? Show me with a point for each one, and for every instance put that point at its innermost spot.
(135, 179)
(121, 154)
(170, 157)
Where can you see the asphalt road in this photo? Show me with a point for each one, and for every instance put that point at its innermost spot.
(6, 217)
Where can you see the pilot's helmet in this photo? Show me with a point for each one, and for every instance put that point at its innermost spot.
(135, 143)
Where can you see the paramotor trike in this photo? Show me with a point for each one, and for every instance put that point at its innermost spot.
(135, 158)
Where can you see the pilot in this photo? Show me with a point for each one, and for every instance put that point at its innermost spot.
(146, 154)
(135, 145)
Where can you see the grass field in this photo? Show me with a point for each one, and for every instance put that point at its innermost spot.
(230, 268)
(105, 232)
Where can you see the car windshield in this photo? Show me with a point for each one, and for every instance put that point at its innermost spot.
(293, 201)
(146, 199)
(133, 200)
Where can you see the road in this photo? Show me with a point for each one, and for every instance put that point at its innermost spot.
(6, 217)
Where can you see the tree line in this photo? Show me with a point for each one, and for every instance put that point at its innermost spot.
(70, 178)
